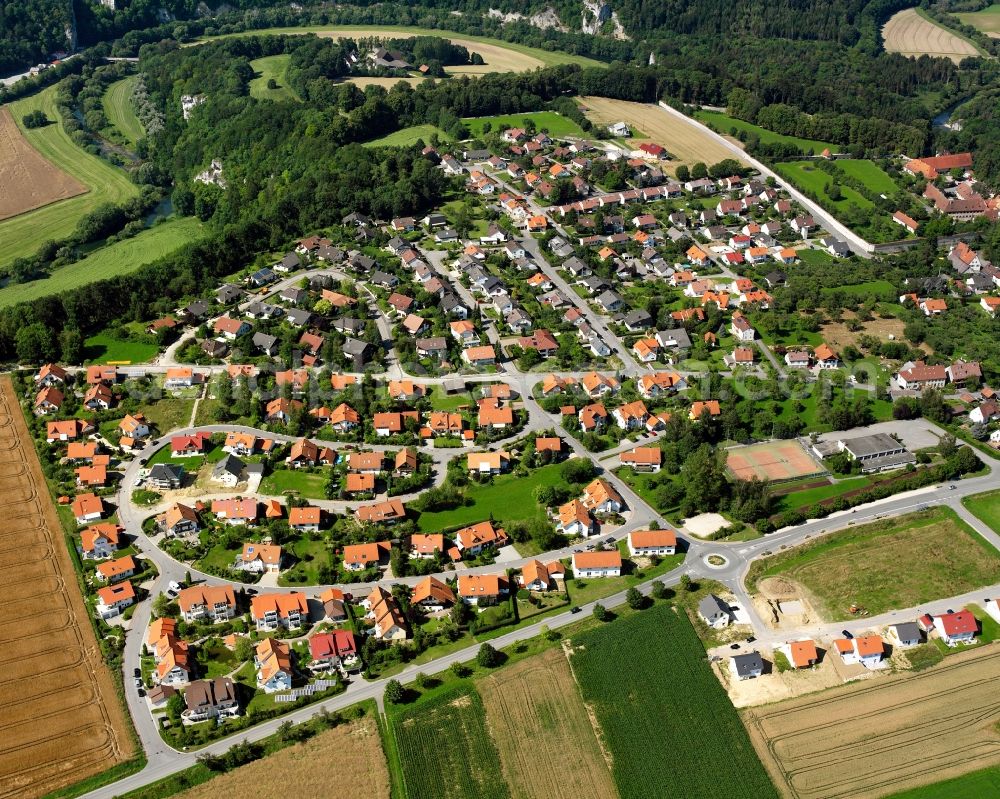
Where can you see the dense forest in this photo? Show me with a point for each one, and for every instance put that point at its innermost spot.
(30, 31)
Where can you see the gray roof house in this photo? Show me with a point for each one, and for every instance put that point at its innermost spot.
(228, 293)
(714, 611)
(907, 633)
(746, 667)
(637, 319)
(355, 348)
(228, 471)
(265, 343)
(610, 301)
(677, 337)
(298, 317)
(166, 475)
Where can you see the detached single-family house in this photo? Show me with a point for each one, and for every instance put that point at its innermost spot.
(647, 543)
(746, 667)
(956, 628)
(714, 611)
(273, 660)
(597, 564)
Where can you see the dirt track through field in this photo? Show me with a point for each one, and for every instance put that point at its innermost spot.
(910, 34)
(887, 734)
(546, 741)
(61, 720)
(685, 142)
(27, 180)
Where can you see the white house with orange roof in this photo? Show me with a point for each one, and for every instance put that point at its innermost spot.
(597, 564)
(647, 543)
(113, 599)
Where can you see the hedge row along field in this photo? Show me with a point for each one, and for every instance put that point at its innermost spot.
(668, 724)
(445, 750)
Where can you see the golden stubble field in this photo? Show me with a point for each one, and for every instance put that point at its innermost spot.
(27, 180)
(887, 734)
(545, 738)
(345, 762)
(909, 33)
(686, 142)
(61, 719)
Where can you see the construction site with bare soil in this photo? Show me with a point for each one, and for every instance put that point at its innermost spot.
(62, 720)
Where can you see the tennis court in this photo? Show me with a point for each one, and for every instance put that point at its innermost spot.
(772, 460)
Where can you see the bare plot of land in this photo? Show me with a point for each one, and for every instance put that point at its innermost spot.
(885, 735)
(912, 35)
(838, 335)
(686, 141)
(772, 460)
(546, 741)
(28, 180)
(363, 82)
(61, 719)
(777, 687)
(497, 58)
(346, 762)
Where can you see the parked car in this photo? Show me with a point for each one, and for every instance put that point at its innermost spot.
(137, 672)
(847, 634)
(574, 609)
(734, 646)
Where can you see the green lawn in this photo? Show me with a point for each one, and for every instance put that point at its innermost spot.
(116, 259)
(869, 173)
(103, 348)
(508, 498)
(547, 57)
(986, 19)
(309, 556)
(117, 102)
(985, 507)
(21, 235)
(308, 485)
(814, 256)
(883, 288)
(218, 558)
(810, 496)
(272, 66)
(974, 785)
(896, 563)
(649, 687)
(808, 177)
(724, 124)
(407, 136)
(556, 124)
(168, 414)
(440, 401)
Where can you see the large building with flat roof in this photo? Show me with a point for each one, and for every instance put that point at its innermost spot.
(878, 452)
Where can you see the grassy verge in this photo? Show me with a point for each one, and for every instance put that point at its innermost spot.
(407, 136)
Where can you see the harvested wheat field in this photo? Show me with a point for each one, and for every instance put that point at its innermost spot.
(61, 719)
(497, 58)
(875, 738)
(686, 141)
(912, 35)
(547, 744)
(28, 180)
(346, 762)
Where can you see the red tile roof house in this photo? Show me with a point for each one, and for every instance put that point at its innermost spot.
(643, 459)
(333, 650)
(482, 589)
(358, 557)
(956, 628)
(652, 542)
(113, 599)
(475, 538)
(597, 564)
(868, 650)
